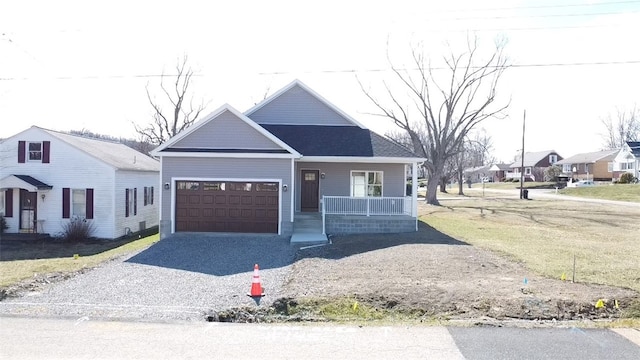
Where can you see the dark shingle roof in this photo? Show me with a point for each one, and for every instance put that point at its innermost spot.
(317, 140)
(635, 147)
(35, 182)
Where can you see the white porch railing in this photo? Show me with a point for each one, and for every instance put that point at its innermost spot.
(368, 206)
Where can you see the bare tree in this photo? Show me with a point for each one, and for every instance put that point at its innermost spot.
(176, 111)
(447, 109)
(625, 126)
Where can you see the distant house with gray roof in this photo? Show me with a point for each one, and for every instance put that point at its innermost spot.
(597, 165)
(535, 163)
(48, 178)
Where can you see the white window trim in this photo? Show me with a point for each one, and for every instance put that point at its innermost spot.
(84, 191)
(366, 176)
(527, 170)
(28, 153)
(2, 195)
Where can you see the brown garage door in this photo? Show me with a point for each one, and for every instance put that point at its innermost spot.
(216, 206)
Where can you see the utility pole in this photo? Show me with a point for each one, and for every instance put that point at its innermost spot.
(524, 118)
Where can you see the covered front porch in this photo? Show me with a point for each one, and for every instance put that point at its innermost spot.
(352, 198)
(22, 198)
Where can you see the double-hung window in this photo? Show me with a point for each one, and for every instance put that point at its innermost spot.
(366, 183)
(35, 151)
(79, 203)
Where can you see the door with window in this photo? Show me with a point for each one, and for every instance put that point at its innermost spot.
(309, 191)
(28, 210)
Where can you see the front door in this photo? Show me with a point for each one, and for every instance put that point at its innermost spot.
(28, 210)
(309, 191)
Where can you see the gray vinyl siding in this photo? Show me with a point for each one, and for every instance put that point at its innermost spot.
(298, 107)
(225, 168)
(226, 131)
(337, 180)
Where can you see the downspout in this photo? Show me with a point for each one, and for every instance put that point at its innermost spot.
(414, 191)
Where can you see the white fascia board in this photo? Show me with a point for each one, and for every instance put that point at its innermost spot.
(212, 115)
(228, 155)
(215, 114)
(264, 132)
(347, 159)
(310, 91)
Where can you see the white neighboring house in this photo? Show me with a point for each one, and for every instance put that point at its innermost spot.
(48, 178)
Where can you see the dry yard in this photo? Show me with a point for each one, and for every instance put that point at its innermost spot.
(504, 262)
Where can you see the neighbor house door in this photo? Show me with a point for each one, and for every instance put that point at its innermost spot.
(28, 210)
(309, 192)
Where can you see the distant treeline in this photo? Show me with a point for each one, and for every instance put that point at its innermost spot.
(143, 147)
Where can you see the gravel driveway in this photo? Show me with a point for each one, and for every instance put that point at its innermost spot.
(178, 278)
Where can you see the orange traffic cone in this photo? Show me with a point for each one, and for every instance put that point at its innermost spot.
(256, 287)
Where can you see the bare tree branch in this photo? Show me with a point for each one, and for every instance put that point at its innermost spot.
(444, 113)
(183, 111)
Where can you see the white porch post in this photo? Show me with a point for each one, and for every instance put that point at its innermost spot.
(414, 191)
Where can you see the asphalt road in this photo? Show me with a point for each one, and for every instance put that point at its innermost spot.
(37, 338)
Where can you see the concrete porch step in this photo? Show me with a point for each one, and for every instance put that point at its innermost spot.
(308, 238)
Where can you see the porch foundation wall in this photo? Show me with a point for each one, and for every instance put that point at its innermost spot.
(341, 224)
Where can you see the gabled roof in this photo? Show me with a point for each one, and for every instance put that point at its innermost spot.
(300, 84)
(116, 155)
(23, 182)
(337, 141)
(635, 148)
(588, 158)
(532, 158)
(167, 146)
(500, 167)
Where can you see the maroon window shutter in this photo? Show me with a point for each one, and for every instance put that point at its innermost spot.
(126, 203)
(8, 203)
(22, 150)
(89, 204)
(145, 196)
(46, 150)
(135, 201)
(152, 195)
(66, 203)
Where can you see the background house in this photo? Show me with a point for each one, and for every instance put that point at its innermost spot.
(630, 158)
(499, 171)
(535, 163)
(597, 166)
(48, 178)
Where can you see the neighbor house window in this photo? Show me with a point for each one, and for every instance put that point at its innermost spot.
(130, 200)
(2, 203)
(79, 203)
(609, 167)
(527, 171)
(553, 159)
(366, 183)
(566, 168)
(148, 195)
(35, 151)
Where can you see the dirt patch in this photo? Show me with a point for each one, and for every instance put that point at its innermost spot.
(432, 275)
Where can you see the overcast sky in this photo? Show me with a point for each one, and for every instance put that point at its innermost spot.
(77, 65)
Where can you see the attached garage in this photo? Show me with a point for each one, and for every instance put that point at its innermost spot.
(227, 206)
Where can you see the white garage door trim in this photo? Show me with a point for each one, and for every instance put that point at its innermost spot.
(173, 194)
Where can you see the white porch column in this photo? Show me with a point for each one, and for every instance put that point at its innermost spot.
(414, 191)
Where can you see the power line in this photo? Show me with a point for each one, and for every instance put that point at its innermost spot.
(544, 6)
(337, 71)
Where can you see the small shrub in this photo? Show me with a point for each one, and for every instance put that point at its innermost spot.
(627, 178)
(3, 224)
(77, 229)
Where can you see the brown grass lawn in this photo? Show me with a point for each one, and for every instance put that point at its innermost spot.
(21, 261)
(546, 234)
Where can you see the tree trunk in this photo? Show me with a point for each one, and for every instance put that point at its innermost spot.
(443, 184)
(460, 183)
(432, 189)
